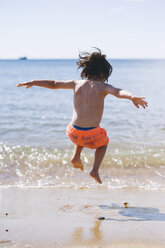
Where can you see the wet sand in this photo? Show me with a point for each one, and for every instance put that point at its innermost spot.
(70, 218)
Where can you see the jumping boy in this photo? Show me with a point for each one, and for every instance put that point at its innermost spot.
(89, 94)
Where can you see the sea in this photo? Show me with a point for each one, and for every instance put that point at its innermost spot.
(35, 151)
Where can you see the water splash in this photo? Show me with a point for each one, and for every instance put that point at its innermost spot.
(25, 166)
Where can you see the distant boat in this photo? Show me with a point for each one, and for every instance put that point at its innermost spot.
(23, 58)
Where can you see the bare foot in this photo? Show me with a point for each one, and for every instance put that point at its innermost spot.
(95, 175)
(77, 164)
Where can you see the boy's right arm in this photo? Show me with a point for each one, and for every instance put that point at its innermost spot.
(50, 84)
(136, 100)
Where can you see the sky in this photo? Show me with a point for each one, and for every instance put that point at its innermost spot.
(62, 28)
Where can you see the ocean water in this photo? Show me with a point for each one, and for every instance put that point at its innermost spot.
(35, 151)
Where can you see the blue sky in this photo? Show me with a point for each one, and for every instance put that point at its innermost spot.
(62, 28)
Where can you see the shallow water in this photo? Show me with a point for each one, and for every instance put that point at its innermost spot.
(46, 167)
(35, 151)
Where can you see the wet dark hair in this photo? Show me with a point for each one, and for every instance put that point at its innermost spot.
(94, 65)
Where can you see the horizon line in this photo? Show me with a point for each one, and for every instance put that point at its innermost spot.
(113, 58)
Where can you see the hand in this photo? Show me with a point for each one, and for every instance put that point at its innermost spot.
(139, 101)
(27, 84)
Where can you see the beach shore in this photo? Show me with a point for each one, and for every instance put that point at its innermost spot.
(60, 217)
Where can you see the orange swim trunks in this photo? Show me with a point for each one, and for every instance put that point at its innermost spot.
(92, 139)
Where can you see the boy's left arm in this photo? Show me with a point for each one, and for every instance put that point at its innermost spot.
(137, 101)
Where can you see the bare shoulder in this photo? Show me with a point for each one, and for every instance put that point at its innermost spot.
(109, 89)
(79, 83)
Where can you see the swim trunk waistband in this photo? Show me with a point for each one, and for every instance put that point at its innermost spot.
(83, 128)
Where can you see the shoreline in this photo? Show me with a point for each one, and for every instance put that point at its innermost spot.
(69, 218)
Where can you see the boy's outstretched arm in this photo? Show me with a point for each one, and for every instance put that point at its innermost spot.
(50, 84)
(137, 101)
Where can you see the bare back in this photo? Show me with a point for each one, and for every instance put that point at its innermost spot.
(88, 103)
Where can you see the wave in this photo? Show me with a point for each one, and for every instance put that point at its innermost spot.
(27, 166)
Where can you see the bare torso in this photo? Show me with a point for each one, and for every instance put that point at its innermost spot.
(88, 103)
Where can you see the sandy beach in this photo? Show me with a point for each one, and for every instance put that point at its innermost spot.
(62, 217)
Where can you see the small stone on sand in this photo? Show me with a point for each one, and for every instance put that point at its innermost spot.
(125, 204)
(101, 218)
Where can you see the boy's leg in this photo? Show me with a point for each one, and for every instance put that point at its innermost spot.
(99, 155)
(76, 161)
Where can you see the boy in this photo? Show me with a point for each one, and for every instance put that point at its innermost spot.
(89, 94)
